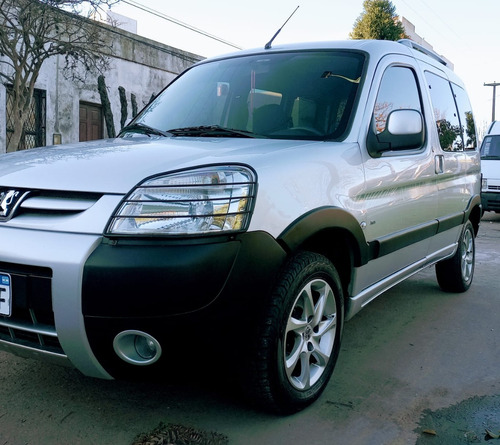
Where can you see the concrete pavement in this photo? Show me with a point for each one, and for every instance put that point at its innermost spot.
(415, 359)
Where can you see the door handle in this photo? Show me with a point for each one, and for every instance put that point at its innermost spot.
(439, 164)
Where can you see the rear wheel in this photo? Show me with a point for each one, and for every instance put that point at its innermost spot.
(299, 335)
(455, 274)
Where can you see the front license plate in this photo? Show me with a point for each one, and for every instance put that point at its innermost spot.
(5, 294)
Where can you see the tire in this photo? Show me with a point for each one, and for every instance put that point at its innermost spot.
(456, 273)
(298, 337)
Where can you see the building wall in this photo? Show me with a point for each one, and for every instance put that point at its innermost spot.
(3, 123)
(141, 66)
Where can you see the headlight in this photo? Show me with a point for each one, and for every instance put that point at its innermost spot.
(208, 200)
(484, 184)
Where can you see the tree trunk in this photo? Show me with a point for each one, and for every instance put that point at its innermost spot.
(19, 120)
(124, 106)
(15, 138)
(106, 107)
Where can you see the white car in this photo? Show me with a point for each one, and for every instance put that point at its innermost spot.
(490, 169)
(260, 201)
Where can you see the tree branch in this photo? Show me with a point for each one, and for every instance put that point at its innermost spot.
(32, 31)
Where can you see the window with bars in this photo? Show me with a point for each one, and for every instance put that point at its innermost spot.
(34, 130)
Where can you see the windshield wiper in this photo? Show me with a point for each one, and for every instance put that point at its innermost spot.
(143, 128)
(211, 130)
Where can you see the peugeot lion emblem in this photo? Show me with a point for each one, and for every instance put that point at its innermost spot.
(8, 200)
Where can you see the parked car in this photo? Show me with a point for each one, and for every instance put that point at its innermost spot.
(490, 169)
(259, 202)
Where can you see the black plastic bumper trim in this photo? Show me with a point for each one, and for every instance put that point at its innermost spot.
(194, 291)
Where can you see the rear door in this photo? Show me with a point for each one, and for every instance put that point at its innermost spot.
(453, 136)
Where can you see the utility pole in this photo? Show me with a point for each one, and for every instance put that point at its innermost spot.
(494, 85)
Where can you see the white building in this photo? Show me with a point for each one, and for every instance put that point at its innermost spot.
(411, 33)
(64, 111)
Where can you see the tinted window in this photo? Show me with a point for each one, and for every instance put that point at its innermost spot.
(445, 113)
(398, 90)
(466, 117)
(297, 95)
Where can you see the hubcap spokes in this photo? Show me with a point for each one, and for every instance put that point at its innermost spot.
(310, 334)
(467, 255)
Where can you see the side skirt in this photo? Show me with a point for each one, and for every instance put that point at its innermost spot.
(359, 301)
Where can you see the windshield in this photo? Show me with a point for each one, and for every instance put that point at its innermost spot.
(490, 149)
(293, 95)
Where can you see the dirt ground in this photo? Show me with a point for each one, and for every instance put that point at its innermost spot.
(417, 366)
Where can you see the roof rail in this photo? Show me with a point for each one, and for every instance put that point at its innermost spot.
(422, 49)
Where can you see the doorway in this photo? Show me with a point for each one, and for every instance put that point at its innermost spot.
(91, 127)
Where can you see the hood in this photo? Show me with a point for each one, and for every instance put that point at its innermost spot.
(117, 165)
(490, 168)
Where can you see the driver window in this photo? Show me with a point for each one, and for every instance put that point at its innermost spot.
(398, 90)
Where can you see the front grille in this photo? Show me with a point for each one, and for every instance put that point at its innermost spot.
(22, 205)
(31, 323)
(56, 203)
(492, 205)
(495, 188)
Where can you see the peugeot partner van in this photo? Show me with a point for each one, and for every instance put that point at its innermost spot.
(260, 201)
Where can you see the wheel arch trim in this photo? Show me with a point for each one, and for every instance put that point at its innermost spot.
(324, 219)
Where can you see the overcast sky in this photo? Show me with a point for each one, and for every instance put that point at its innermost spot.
(466, 32)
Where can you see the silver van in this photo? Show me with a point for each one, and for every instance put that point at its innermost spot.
(260, 201)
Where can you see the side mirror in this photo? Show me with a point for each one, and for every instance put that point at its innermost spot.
(404, 130)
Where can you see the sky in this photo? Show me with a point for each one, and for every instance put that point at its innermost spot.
(465, 32)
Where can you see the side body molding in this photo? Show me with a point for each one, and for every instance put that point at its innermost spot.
(326, 225)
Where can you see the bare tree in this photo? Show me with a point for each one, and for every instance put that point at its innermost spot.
(32, 31)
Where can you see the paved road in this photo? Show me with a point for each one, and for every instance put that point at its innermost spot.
(415, 359)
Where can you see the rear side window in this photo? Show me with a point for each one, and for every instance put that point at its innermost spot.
(456, 130)
(466, 117)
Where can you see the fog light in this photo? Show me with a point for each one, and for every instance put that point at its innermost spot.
(137, 348)
(145, 347)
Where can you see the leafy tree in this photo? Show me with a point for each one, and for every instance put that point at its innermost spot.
(378, 21)
(449, 135)
(32, 31)
(470, 130)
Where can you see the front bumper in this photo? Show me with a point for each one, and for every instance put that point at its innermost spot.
(98, 288)
(181, 293)
(46, 270)
(490, 201)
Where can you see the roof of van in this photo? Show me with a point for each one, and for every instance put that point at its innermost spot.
(494, 128)
(376, 48)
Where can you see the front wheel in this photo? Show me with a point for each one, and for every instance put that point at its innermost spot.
(298, 339)
(455, 274)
